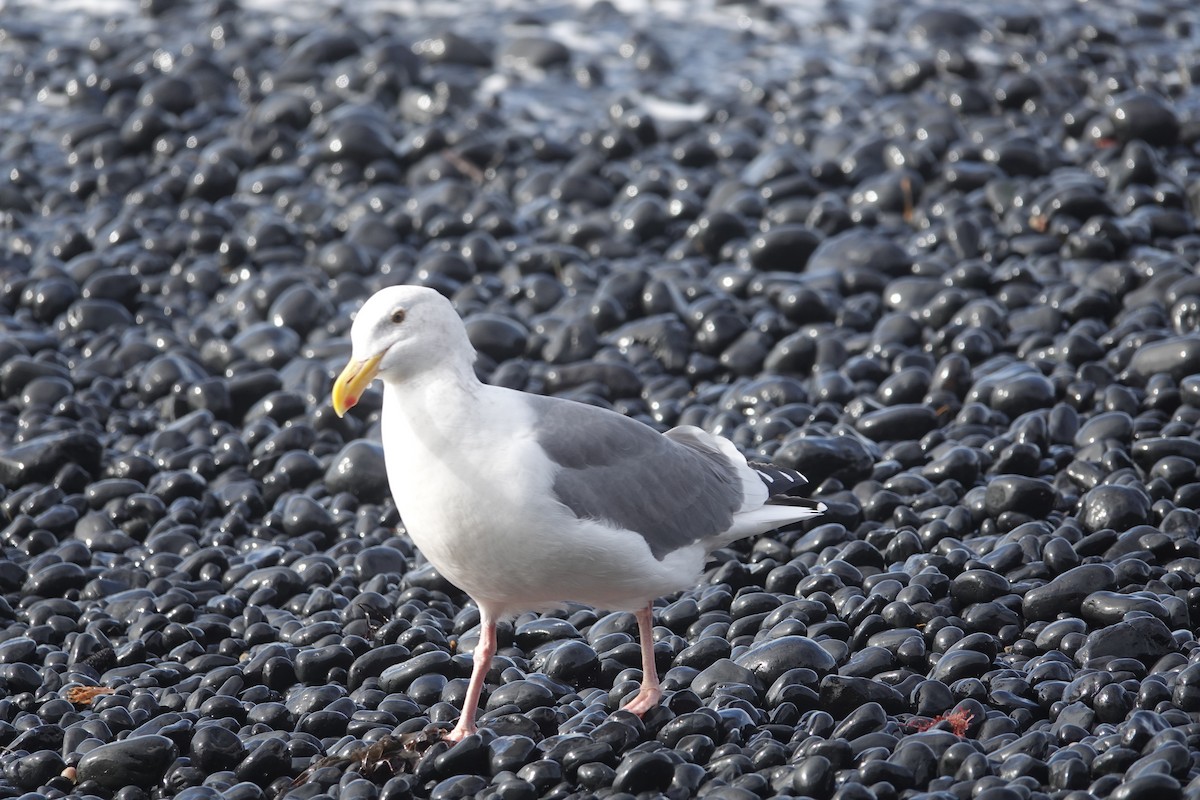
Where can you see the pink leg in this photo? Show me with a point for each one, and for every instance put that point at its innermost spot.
(479, 670)
(650, 693)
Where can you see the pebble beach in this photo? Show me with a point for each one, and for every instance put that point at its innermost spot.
(944, 260)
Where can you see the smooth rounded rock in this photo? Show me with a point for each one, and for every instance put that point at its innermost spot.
(359, 469)
(773, 657)
(1116, 507)
(1066, 593)
(135, 761)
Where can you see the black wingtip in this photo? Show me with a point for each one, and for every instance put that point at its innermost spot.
(778, 480)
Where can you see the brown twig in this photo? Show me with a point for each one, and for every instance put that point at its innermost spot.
(84, 695)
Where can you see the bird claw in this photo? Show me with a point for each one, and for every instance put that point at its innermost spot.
(459, 733)
(646, 699)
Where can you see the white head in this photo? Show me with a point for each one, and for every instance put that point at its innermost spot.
(400, 333)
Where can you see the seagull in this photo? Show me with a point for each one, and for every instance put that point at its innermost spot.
(526, 502)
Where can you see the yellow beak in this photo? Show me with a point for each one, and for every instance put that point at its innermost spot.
(353, 381)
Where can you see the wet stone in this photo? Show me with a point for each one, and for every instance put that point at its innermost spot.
(398, 676)
(840, 695)
(282, 582)
(55, 580)
(1029, 496)
(300, 308)
(1066, 592)
(268, 344)
(853, 251)
(359, 470)
(18, 372)
(783, 247)
(573, 662)
(1144, 117)
(1109, 425)
(1144, 638)
(644, 772)
(17, 650)
(498, 336)
(134, 761)
(959, 664)
(1021, 393)
(533, 52)
(770, 659)
(1116, 507)
(1149, 452)
(898, 422)
(267, 761)
(40, 458)
(822, 457)
(20, 677)
(92, 315)
(978, 586)
(724, 672)
(35, 769)
(454, 49)
(525, 695)
(214, 748)
(1106, 608)
(379, 560)
(303, 515)
(942, 24)
(1177, 356)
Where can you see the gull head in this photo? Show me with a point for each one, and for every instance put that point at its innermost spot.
(399, 333)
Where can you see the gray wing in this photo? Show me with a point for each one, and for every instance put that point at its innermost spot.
(673, 492)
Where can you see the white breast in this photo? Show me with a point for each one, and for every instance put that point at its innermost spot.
(474, 490)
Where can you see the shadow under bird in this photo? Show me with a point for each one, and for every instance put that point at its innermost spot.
(525, 501)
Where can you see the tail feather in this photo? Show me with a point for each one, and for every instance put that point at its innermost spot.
(814, 507)
(767, 499)
(771, 516)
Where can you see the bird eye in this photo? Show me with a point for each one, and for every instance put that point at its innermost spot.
(398, 316)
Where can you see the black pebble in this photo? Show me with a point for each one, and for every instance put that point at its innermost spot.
(359, 470)
(135, 761)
